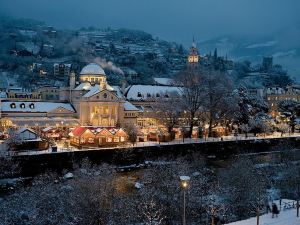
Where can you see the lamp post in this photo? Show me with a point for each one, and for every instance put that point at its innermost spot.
(184, 182)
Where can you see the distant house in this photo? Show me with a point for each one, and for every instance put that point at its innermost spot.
(61, 70)
(26, 139)
(24, 52)
(26, 134)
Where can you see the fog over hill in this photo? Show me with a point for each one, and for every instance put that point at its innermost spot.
(282, 45)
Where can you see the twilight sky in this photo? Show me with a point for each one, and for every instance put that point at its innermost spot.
(176, 20)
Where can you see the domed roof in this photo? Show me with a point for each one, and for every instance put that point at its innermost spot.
(92, 69)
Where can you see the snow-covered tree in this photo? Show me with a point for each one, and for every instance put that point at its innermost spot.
(132, 132)
(291, 110)
(169, 110)
(245, 188)
(249, 106)
(208, 96)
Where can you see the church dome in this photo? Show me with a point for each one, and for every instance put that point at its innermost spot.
(92, 69)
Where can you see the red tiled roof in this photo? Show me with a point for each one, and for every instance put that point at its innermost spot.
(78, 131)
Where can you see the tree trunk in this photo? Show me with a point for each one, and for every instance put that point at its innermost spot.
(210, 127)
(297, 208)
(191, 125)
(257, 216)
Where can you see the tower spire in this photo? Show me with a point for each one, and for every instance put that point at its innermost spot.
(194, 44)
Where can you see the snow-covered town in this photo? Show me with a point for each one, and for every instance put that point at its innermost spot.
(114, 113)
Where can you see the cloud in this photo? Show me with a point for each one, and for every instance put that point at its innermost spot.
(177, 20)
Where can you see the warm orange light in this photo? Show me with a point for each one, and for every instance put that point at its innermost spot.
(185, 184)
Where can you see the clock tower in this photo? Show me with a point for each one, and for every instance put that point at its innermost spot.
(193, 58)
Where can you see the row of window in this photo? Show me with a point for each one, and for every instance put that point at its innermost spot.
(104, 110)
(129, 114)
(139, 94)
(51, 91)
(281, 98)
(94, 80)
(22, 105)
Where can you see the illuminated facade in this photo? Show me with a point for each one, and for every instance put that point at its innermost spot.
(193, 57)
(96, 102)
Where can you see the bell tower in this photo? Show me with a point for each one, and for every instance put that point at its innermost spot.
(193, 57)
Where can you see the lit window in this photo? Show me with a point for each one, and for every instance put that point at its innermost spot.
(22, 106)
(13, 105)
(31, 106)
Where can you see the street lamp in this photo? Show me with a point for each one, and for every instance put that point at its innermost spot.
(184, 182)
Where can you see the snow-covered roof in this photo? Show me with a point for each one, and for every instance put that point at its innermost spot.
(275, 90)
(163, 81)
(3, 94)
(96, 89)
(142, 92)
(65, 64)
(83, 87)
(16, 106)
(30, 46)
(129, 107)
(92, 69)
(23, 129)
(118, 91)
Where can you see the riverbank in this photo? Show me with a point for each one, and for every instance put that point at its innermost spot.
(218, 150)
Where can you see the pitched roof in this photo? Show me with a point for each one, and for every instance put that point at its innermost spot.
(96, 89)
(142, 92)
(129, 107)
(16, 106)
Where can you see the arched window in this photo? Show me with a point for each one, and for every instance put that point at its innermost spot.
(31, 106)
(22, 106)
(139, 94)
(105, 95)
(13, 105)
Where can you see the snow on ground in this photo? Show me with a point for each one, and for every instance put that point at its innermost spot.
(285, 217)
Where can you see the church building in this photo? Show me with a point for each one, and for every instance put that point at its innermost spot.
(96, 102)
